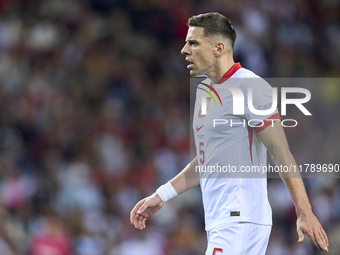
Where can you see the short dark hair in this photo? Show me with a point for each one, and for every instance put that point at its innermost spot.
(214, 23)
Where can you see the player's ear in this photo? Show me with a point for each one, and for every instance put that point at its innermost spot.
(219, 49)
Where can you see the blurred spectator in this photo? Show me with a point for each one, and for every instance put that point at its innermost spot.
(51, 239)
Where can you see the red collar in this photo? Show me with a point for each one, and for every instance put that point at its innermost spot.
(230, 72)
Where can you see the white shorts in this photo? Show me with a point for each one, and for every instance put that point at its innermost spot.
(238, 238)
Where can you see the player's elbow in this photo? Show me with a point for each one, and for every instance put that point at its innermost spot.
(280, 155)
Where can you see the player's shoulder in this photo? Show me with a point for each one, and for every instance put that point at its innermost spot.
(250, 79)
(245, 73)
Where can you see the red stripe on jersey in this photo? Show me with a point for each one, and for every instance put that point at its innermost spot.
(230, 72)
(250, 137)
(267, 122)
(217, 250)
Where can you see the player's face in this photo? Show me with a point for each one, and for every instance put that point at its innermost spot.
(199, 52)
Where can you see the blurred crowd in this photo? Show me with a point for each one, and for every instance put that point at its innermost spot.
(94, 116)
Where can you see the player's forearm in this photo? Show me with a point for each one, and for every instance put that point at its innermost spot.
(184, 181)
(298, 193)
(187, 178)
(293, 182)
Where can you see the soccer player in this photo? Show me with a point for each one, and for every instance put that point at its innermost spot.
(237, 212)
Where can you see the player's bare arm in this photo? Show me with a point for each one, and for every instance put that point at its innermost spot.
(276, 143)
(187, 178)
(182, 182)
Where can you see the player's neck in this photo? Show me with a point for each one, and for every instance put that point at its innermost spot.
(221, 67)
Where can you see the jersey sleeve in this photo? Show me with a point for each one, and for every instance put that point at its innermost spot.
(262, 101)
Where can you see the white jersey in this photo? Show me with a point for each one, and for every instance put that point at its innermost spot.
(230, 143)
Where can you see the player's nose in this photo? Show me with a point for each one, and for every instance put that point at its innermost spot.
(185, 50)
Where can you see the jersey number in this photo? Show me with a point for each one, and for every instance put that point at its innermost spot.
(202, 153)
(217, 250)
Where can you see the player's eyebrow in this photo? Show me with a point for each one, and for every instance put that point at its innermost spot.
(192, 41)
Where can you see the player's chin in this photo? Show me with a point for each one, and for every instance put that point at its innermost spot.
(193, 73)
